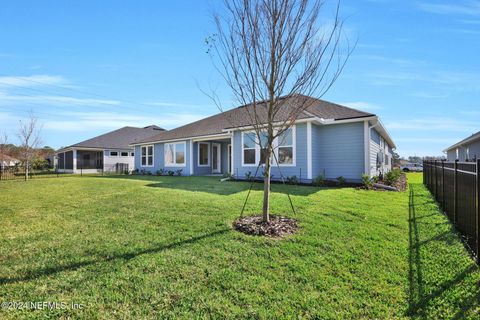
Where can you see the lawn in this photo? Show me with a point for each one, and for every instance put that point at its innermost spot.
(163, 247)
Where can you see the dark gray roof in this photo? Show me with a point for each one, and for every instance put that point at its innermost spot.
(239, 117)
(119, 139)
(472, 138)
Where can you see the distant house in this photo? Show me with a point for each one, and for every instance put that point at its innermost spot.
(466, 150)
(327, 139)
(8, 161)
(108, 152)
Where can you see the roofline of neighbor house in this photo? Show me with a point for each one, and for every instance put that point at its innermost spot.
(320, 121)
(470, 139)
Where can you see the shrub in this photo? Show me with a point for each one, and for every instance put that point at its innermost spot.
(136, 171)
(248, 176)
(392, 177)
(341, 180)
(161, 172)
(292, 180)
(149, 173)
(170, 173)
(179, 172)
(319, 181)
(143, 172)
(367, 181)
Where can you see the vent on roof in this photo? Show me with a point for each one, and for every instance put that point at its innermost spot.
(154, 127)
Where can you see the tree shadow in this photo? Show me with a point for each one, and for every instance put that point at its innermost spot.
(215, 186)
(420, 293)
(34, 274)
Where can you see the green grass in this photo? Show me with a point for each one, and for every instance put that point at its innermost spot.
(163, 247)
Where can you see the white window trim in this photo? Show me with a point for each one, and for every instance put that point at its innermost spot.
(110, 154)
(147, 155)
(256, 148)
(294, 149)
(184, 164)
(120, 154)
(208, 153)
(275, 147)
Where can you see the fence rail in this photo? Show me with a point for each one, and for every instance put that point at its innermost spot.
(456, 188)
(18, 172)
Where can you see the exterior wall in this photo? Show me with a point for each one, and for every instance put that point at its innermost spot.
(159, 159)
(109, 162)
(378, 145)
(338, 150)
(299, 169)
(469, 151)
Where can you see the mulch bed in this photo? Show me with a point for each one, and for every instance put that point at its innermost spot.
(277, 227)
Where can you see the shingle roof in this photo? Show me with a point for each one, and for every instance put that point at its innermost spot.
(119, 139)
(472, 138)
(6, 157)
(239, 117)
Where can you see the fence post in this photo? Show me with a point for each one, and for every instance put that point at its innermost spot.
(435, 178)
(443, 185)
(455, 193)
(477, 204)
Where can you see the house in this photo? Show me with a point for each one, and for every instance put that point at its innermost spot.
(326, 139)
(109, 152)
(8, 161)
(466, 150)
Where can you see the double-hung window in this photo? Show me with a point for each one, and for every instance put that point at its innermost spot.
(249, 148)
(254, 148)
(175, 154)
(285, 148)
(203, 154)
(147, 156)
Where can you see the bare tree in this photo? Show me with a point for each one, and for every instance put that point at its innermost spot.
(273, 53)
(30, 140)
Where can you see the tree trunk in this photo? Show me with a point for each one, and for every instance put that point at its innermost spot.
(26, 170)
(266, 186)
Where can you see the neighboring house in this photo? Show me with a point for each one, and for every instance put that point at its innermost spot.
(8, 161)
(466, 150)
(106, 153)
(327, 139)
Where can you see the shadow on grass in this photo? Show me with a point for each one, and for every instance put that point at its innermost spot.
(34, 274)
(420, 294)
(215, 186)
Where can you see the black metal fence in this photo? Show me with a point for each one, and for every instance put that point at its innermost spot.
(456, 187)
(18, 172)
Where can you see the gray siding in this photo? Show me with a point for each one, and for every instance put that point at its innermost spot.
(339, 151)
(379, 145)
(299, 170)
(158, 159)
(467, 151)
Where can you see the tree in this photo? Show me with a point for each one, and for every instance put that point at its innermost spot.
(273, 51)
(29, 135)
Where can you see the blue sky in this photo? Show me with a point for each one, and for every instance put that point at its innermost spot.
(88, 67)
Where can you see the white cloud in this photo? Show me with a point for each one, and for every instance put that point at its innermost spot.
(31, 81)
(470, 7)
(18, 99)
(81, 121)
(362, 105)
(434, 124)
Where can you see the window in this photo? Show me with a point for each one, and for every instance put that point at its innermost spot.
(132, 154)
(203, 154)
(254, 151)
(386, 160)
(174, 154)
(124, 154)
(147, 156)
(456, 151)
(285, 147)
(263, 146)
(113, 154)
(249, 148)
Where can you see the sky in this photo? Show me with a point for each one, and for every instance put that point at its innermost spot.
(88, 67)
